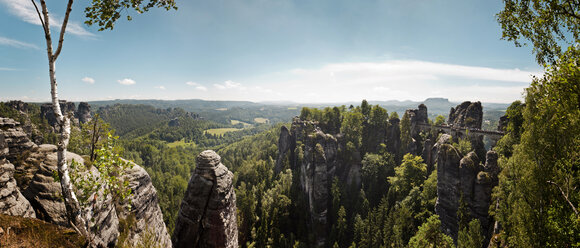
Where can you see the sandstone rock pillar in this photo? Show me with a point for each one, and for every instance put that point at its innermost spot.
(207, 217)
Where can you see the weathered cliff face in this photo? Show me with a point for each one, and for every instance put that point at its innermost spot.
(314, 157)
(16, 140)
(448, 183)
(80, 115)
(44, 194)
(317, 169)
(12, 202)
(148, 219)
(83, 113)
(286, 143)
(42, 190)
(33, 175)
(18, 105)
(466, 114)
(207, 216)
(464, 179)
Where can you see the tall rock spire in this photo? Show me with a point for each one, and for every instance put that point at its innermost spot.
(207, 217)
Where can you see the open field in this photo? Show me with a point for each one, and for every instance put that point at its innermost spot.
(261, 120)
(235, 122)
(221, 131)
(181, 143)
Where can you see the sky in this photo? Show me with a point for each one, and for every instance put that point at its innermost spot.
(270, 50)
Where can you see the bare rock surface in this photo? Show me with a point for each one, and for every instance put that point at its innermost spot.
(144, 210)
(15, 138)
(207, 217)
(12, 202)
(466, 114)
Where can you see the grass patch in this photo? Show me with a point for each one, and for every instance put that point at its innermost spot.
(31, 232)
(180, 143)
(261, 120)
(235, 122)
(221, 131)
(292, 108)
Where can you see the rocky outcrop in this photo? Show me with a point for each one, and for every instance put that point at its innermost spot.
(12, 202)
(18, 105)
(502, 123)
(146, 216)
(207, 217)
(317, 169)
(80, 115)
(431, 157)
(467, 114)
(16, 140)
(316, 162)
(418, 120)
(83, 113)
(47, 112)
(285, 144)
(448, 183)
(43, 191)
(464, 179)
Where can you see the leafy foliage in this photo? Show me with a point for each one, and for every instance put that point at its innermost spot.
(538, 184)
(105, 13)
(430, 235)
(547, 24)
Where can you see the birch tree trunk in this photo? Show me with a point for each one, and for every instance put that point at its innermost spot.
(71, 202)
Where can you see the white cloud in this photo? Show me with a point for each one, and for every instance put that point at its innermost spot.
(24, 10)
(127, 81)
(88, 80)
(7, 69)
(229, 84)
(197, 86)
(392, 80)
(18, 44)
(160, 87)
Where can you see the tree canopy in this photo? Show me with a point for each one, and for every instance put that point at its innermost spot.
(547, 24)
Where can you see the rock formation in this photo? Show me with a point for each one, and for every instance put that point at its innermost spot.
(418, 118)
(12, 202)
(316, 163)
(466, 114)
(464, 179)
(502, 123)
(207, 217)
(448, 182)
(83, 113)
(33, 175)
(43, 191)
(16, 139)
(148, 219)
(47, 112)
(18, 105)
(80, 115)
(285, 143)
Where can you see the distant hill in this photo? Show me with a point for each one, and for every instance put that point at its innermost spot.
(282, 111)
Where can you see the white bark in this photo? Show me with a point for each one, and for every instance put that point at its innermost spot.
(71, 202)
